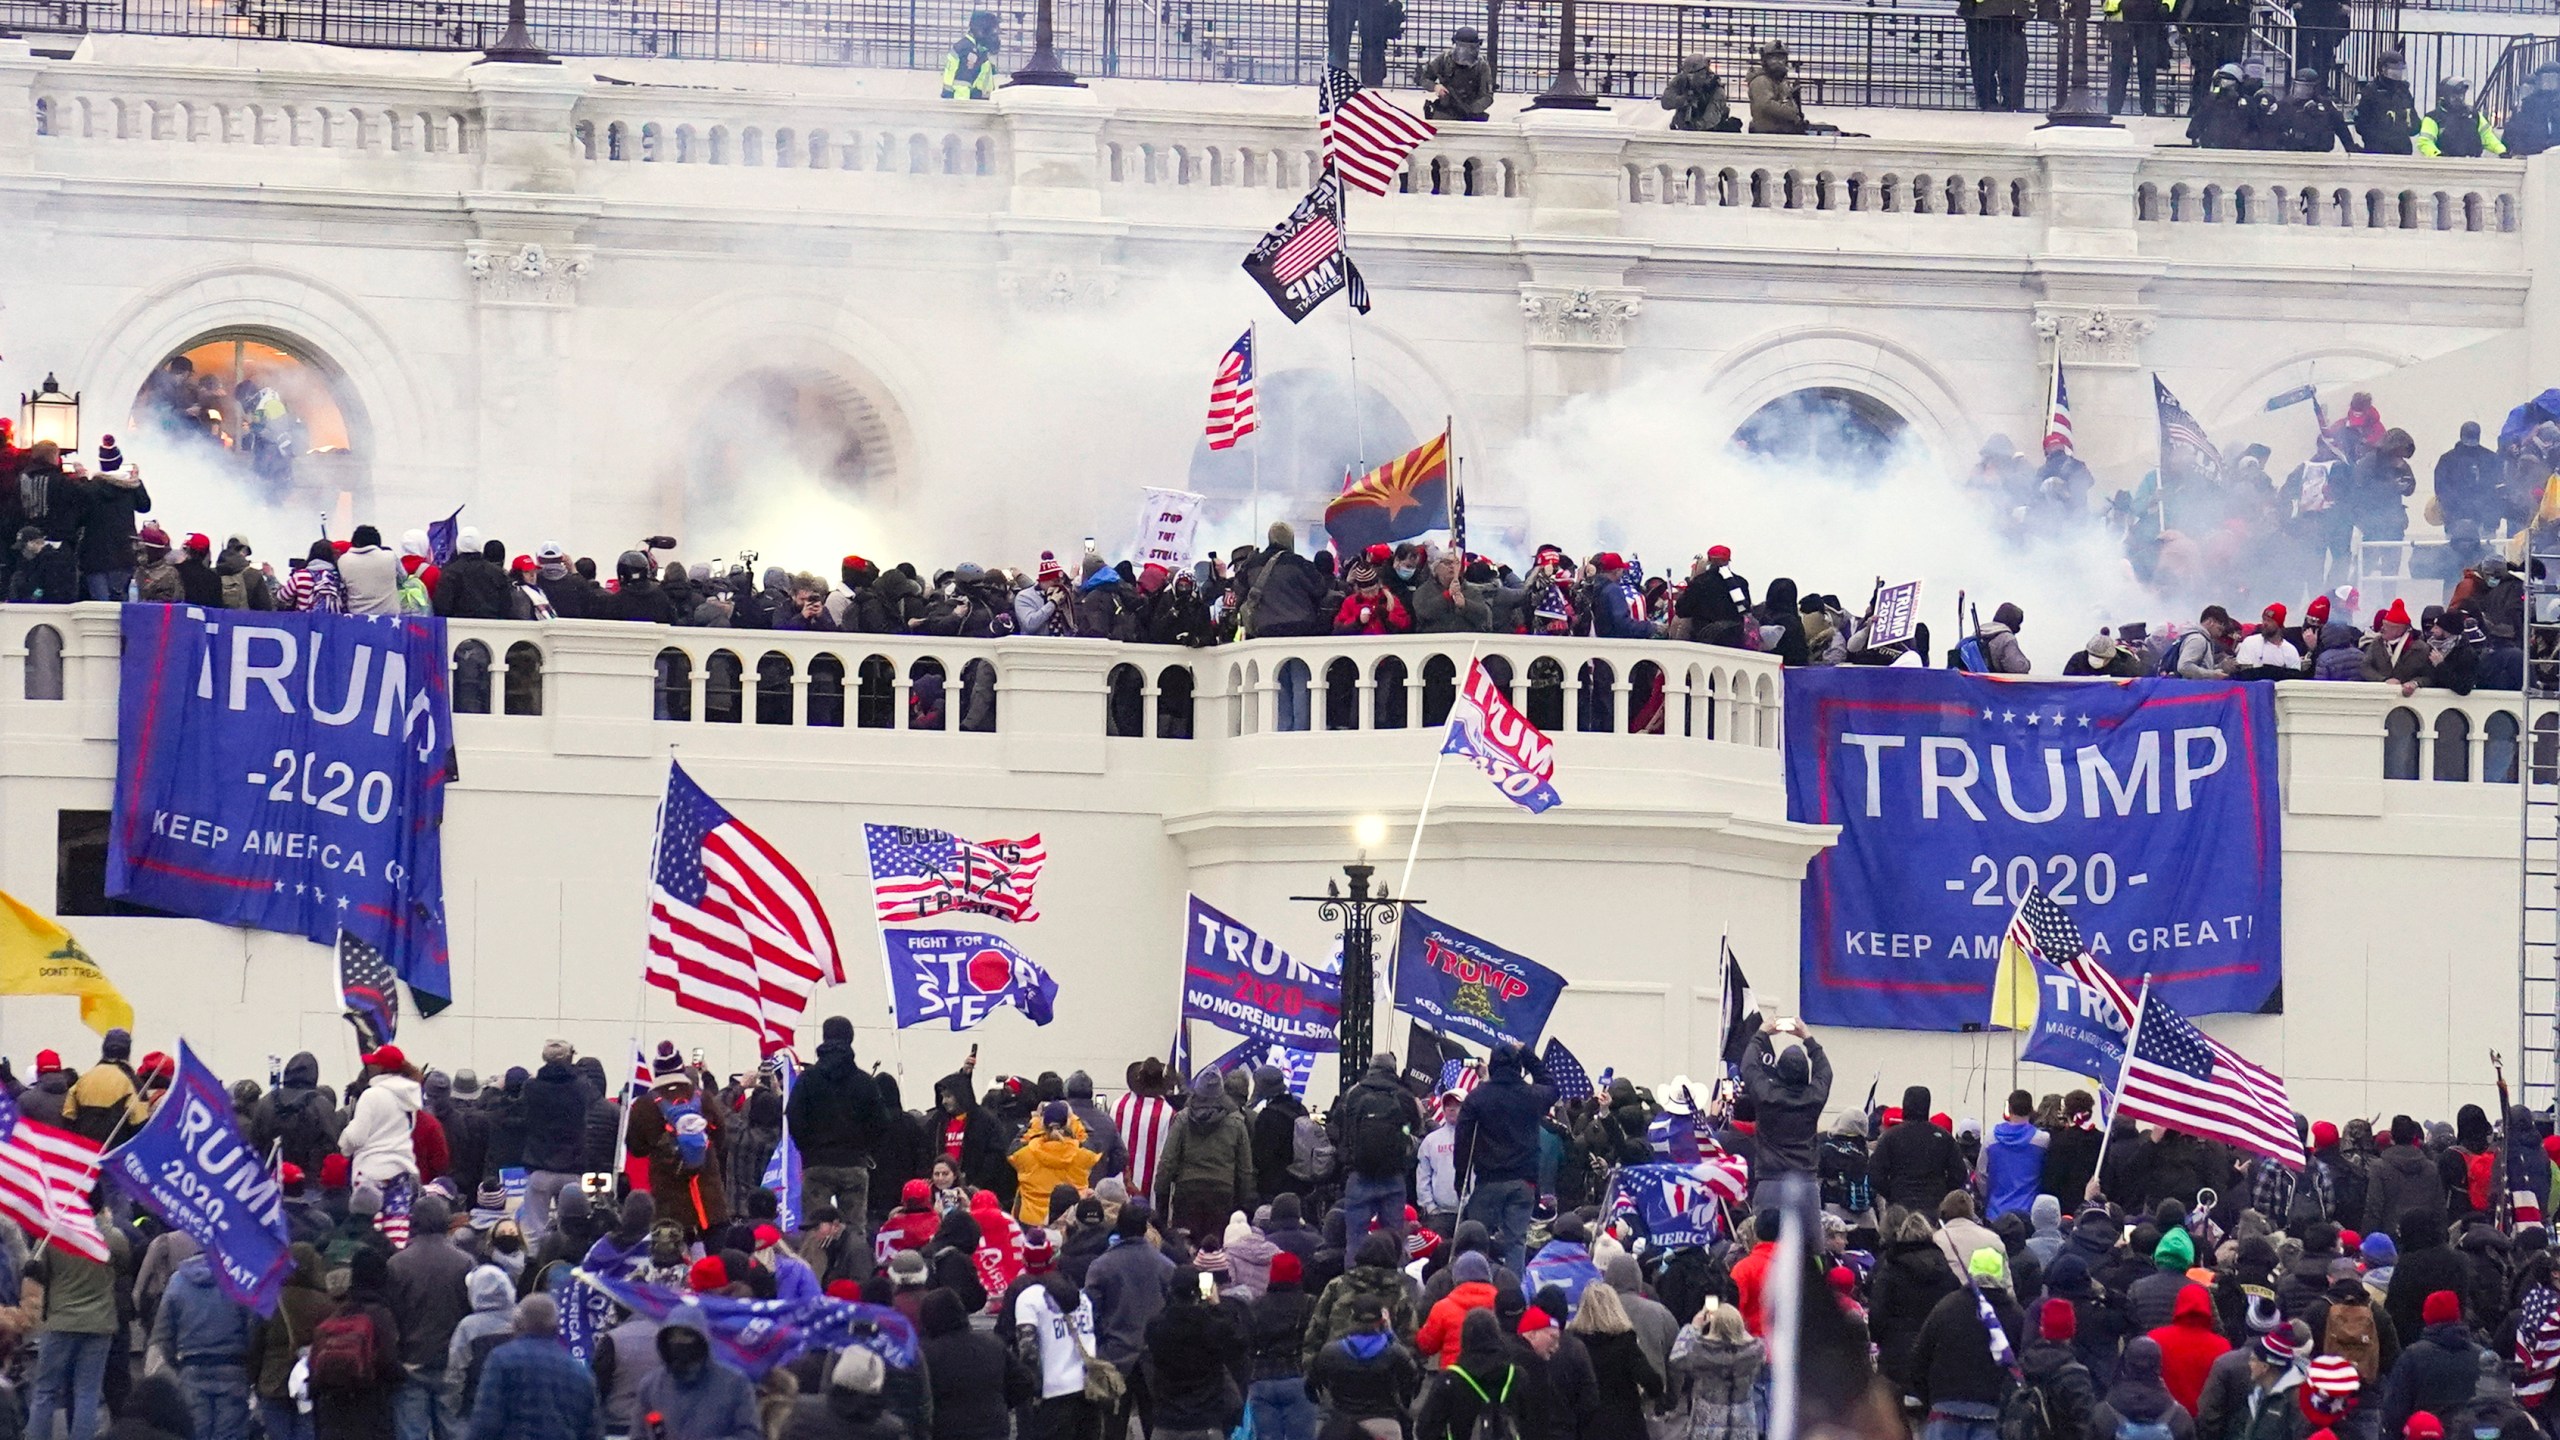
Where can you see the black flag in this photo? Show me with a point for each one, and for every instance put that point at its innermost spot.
(1741, 1010)
(371, 992)
(1300, 264)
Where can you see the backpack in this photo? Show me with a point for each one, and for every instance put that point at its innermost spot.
(692, 1132)
(1374, 1124)
(235, 590)
(2128, 1428)
(1492, 1421)
(1311, 1154)
(2482, 1168)
(2166, 667)
(2024, 1415)
(2349, 1335)
(413, 596)
(342, 1351)
(480, 1352)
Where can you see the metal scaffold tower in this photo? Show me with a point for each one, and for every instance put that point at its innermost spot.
(2538, 934)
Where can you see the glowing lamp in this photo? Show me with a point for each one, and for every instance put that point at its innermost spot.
(51, 415)
(1370, 831)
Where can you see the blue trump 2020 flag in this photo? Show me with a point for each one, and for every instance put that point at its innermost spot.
(2077, 1028)
(753, 1336)
(286, 772)
(190, 1167)
(2146, 809)
(782, 1171)
(960, 977)
(1465, 985)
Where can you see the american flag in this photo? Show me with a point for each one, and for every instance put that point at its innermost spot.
(2537, 1359)
(1145, 1123)
(1460, 1077)
(2043, 930)
(1231, 395)
(371, 991)
(2057, 425)
(1366, 139)
(2179, 1077)
(1565, 1074)
(2180, 431)
(734, 932)
(916, 874)
(393, 1222)
(46, 1175)
(1316, 242)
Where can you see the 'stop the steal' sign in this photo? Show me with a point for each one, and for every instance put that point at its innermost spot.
(286, 772)
(2148, 808)
(1167, 520)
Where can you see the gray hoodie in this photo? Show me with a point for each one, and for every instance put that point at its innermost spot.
(493, 1304)
(1101, 1132)
(711, 1402)
(2047, 1241)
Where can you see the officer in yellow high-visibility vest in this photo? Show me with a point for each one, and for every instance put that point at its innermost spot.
(2455, 127)
(969, 70)
(2137, 34)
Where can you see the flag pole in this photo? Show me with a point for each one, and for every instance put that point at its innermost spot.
(1253, 347)
(2132, 1037)
(640, 1000)
(1413, 850)
(1350, 317)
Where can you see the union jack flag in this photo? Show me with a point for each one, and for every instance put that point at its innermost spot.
(916, 874)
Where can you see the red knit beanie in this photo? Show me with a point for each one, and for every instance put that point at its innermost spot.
(2442, 1307)
(2058, 1322)
(708, 1274)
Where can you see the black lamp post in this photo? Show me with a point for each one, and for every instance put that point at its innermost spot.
(1359, 914)
(2074, 103)
(1567, 92)
(516, 47)
(1043, 67)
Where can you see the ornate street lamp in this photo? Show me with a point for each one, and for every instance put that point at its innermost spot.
(515, 46)
(1567, 92)
(1043, 68)
(49, 414)
(2074, 102)
(1359, 913)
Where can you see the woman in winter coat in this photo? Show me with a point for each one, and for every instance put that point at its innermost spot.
(1052, 1155)
(1715, 1373)
(952, 1259)
(1908, 1285)
(1626, 1380)
(376, 1140)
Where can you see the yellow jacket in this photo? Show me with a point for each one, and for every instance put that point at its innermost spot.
(1045, 1162)
(101, 1089)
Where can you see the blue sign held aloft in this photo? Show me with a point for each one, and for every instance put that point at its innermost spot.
(2149, 808)
(960, 977)
(286, 772)
(190, 1167)
(1239, 980)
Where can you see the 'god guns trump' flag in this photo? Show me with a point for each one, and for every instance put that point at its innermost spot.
(1491, 734)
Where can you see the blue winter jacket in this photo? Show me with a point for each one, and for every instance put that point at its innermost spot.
(2012, 1166)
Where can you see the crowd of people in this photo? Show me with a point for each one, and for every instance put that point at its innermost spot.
(2196, 523)
(1193, 1257)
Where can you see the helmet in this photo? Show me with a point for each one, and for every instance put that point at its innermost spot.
(632, 566)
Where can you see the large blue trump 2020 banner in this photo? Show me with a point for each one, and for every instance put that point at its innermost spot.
(2148, 808)
(286, 772)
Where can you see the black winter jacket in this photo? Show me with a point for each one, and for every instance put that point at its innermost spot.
(555, 1119)
(1789, 1094)
(471, 588)
(1498, 1127)
(1951, 1361)
(1915, 1164)
(835, 1115)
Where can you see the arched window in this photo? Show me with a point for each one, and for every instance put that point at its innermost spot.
(826, 691)
(44, 663)
(2546, 750)
(876, 694)
(2498, 748)
(1439, 690)
(724, 688)
(524, 678)
(675, 685)
(1173, 703)
(1342, 694)
(1387, 700)
(2400, 744)
(1124, 715)
(470, 678)
(2453, 746)
(978, 697)
(1546, 694)
(1644, 699)
(1497, 668)
(1240, 716)
(1292, 680)
(927, 706)
(773, 688)
(1597, 711)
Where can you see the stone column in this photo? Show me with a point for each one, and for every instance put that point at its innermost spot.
(527, 125)
(1576, 332)
(524, 274)
(18, 72)
(2093, 311)
(1058, 249)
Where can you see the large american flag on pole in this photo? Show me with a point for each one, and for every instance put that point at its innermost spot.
(2057, 425)
(2177, 1076)
(735, 933)
(917, 874)
(2182, 432)
(46, 1176)
(1231, 395)
(1365, 138)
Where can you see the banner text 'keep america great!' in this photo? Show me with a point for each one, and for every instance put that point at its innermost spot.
(286, 772)
(2148, 808)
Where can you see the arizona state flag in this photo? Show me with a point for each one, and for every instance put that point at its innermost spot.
(1405, 497)
(39, 957)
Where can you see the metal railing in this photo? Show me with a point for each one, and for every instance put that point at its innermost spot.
(1870, 56)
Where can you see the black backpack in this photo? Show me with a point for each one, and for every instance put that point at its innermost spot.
(1375, 1133)
(480, 1351)
(2024, 1415)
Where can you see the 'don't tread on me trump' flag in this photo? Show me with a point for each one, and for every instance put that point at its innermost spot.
(39, 957)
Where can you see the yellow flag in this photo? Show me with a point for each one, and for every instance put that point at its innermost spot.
(2015, 1002)
(39, 957)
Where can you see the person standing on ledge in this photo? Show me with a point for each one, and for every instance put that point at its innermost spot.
(1459, 78)
(969, 70)
(1696, 99)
